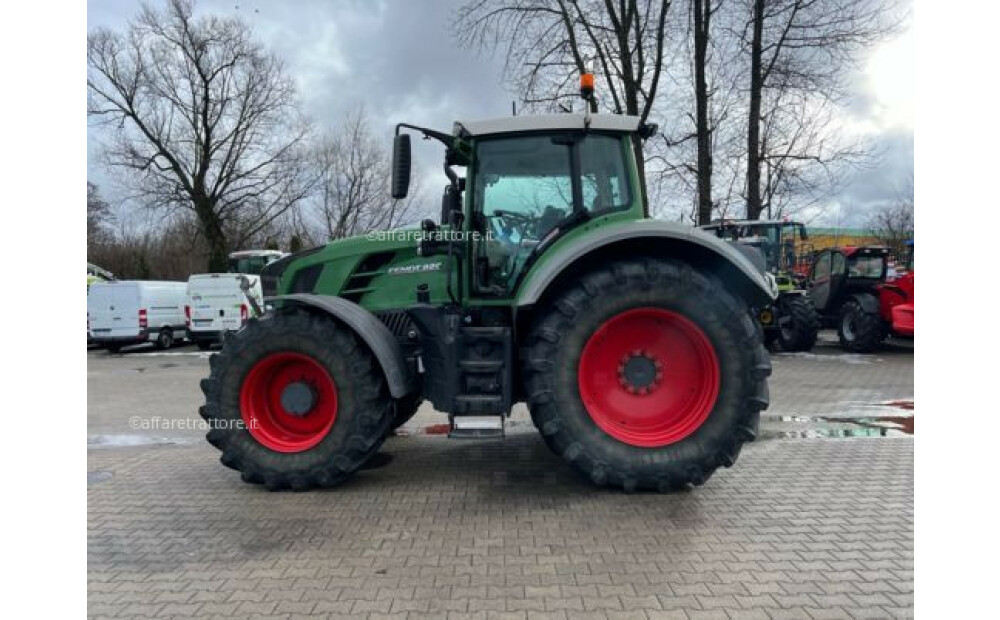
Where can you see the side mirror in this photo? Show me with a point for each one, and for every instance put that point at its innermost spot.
(451, 201)
(400, 165)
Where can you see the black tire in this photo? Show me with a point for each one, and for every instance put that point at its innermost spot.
(405, 408)
(859, 331)
(204, 345)
(114, 348)
(560, 332)
(165, 339)
(364, 406)
(799, 331)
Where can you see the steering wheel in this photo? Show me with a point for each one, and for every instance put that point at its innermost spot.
(511, 220)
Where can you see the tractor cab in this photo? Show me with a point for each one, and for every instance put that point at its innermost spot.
(839, 272)
(777, 240)
(252, 262)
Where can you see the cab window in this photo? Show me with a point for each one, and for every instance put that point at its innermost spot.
(822, 268)
(523, 188)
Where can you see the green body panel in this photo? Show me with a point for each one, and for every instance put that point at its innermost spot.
(375, 289)
(785, 282)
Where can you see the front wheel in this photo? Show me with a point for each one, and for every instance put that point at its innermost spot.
(296, 401)
(798, 323)
(646, 375)
(859, 331)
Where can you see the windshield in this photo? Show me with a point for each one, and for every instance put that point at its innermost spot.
(866, 266)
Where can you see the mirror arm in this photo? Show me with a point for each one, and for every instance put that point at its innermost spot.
(444, 138)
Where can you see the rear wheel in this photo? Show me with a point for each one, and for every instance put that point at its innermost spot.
(114, 348)
(647, 375)
(204, 345)
(798, 323)
(296, 401)
(165, 339)
(859, 331)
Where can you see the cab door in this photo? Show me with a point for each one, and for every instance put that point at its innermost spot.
(522, 188)
(819, 280)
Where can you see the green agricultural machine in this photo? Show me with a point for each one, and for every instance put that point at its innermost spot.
(633, 341)
(792, 320)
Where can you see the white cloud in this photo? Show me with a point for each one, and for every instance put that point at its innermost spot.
(890, 77)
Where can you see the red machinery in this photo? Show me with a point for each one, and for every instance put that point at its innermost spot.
(854, 291)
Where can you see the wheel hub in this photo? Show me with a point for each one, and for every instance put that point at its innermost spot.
(640, 372)
(623, 385)
(288, 401)
(298, 398)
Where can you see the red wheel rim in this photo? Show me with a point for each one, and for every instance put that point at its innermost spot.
(649, 377)
(264, 410)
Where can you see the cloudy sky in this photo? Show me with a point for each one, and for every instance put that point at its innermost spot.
(398, 60)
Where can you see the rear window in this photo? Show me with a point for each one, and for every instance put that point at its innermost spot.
(866, 266)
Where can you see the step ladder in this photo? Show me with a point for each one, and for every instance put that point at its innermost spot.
(477, 427)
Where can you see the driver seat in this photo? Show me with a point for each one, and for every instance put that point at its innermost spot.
(549, 219)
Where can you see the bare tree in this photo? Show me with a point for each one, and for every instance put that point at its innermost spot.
(893, 223)
(693, 161)
(354, 174)
(799, 52)
(548, 43)
(702, 11)
(203, 119)
(99, 216)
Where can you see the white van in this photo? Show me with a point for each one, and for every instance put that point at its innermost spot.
(216, 304)
(128, 312)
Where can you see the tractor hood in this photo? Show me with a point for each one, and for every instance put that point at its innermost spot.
(378, 270)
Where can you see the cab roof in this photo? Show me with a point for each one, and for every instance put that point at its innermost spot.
(546, 122)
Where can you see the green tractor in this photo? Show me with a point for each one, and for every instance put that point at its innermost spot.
(633, 341)
(792, 320)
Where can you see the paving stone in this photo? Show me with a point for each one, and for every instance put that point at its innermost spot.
(798, 528)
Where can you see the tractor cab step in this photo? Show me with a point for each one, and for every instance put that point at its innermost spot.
(476, 427)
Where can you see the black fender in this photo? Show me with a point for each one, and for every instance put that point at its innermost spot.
(373, 333)
(867, 301)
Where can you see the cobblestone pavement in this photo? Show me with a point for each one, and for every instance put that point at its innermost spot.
(799, 528)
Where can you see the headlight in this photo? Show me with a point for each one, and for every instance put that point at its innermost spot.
(772, 284)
